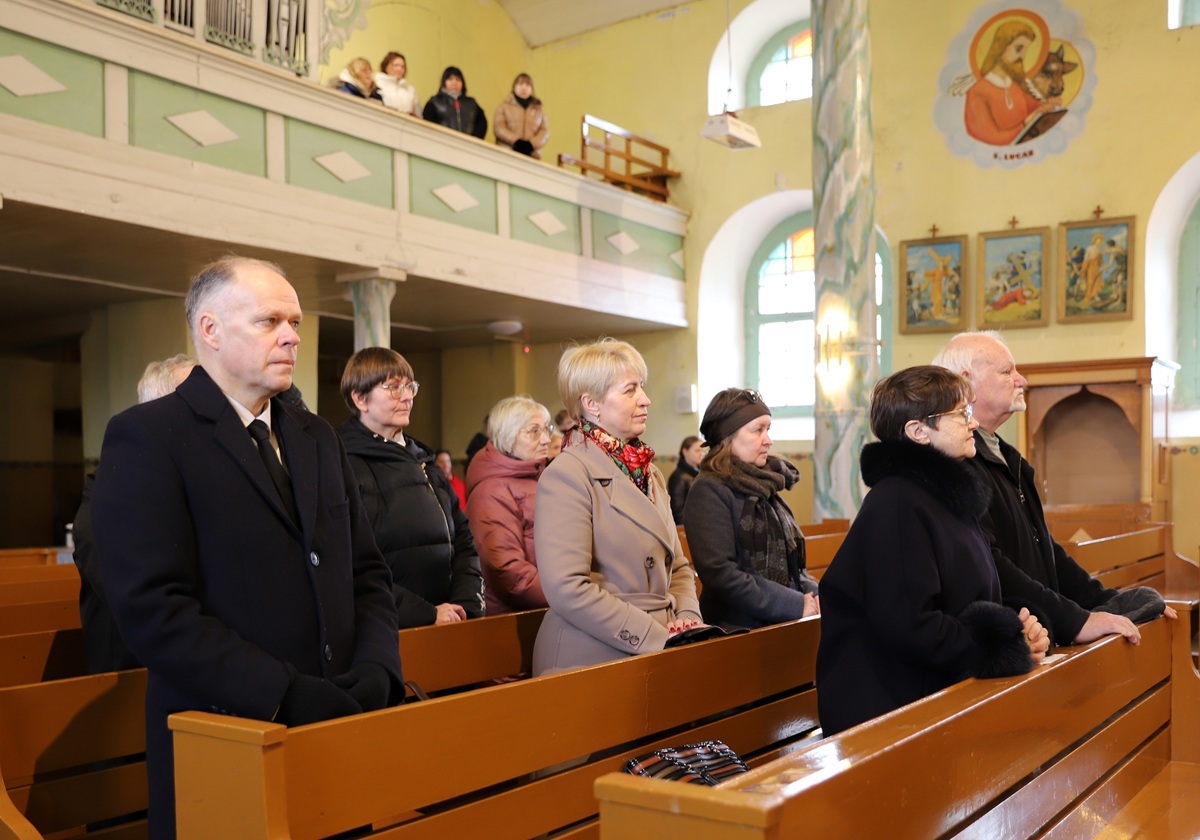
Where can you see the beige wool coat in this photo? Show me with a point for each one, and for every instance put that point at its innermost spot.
(513, 123)
(610, 561)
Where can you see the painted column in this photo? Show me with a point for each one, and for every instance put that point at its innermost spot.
(371, 293)
(844, 201)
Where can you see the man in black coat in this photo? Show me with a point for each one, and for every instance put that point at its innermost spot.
(1035, 571)
(247, 586)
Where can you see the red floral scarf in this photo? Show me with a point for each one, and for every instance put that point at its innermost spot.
(633, 457)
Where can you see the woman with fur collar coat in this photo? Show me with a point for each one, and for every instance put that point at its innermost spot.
(911, 602)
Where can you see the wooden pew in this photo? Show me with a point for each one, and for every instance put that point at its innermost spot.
(1097, 520)
(72, 754)
(819, 551)
(48, 759)
(1123, 561)
(36, 591)
(515, 760)
(22, 574)
(1057, 753)
(28, 557)
(38, 657)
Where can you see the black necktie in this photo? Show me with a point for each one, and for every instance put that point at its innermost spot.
(262, 436)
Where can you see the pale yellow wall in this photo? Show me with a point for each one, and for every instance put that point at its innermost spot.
(124, 338)
(477, 36)
(613, 73)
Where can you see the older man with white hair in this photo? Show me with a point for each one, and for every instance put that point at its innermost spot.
(1035, 571)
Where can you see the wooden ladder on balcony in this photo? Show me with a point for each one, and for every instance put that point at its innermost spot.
(622, 158)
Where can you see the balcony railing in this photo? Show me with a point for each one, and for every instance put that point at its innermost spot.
(279, 32)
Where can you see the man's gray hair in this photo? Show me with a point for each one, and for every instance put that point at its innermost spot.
(214, 277)
(159, 378)
(508, 417)
(959, 353)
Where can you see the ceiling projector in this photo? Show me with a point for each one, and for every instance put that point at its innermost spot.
(731, 132)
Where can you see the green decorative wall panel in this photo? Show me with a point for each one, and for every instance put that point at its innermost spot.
(338, 164)
(622, 242)
(545, 221)
(52, 85)
(189, 123)
(452, 195)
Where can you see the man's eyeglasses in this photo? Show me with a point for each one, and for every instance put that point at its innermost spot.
(397, 391)
(967, 412)
(535, 432)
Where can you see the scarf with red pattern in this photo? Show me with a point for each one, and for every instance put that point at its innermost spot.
(633, 457)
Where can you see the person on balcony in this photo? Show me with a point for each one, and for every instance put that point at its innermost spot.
(520, 121)
(357, 80)
(397, 91)
(452, 108)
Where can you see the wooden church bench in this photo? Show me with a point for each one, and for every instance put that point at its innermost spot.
(1056, 753)
(38, 591)
(28, 557)
(72, 755)
(1123, 561)
(46, 757)
(57, 571)
(39, 616)
(515, 760)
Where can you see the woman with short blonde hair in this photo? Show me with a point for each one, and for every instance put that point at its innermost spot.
(611, 566)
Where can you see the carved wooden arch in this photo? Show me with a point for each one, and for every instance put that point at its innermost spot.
(1127, 396)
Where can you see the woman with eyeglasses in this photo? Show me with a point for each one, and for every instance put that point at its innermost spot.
(609, 557)
(911, 602)
(501, 487)
(418, 524)
(746, 545)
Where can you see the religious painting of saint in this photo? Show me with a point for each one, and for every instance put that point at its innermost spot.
(932, 286)
(1010, 281)
(1094, 259)
(1017, 83)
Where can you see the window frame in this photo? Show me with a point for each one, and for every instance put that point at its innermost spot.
(782, 38)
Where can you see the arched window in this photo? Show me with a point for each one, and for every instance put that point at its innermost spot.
(780, 329)
(1183, 13)
(1187, 381)
(787, 75)
(741, 54)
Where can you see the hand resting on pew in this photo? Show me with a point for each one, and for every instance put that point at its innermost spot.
(1037, 636)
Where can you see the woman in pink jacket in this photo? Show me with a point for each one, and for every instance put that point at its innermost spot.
(501, 487)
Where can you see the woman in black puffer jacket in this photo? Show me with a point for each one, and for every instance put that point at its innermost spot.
(418, 524)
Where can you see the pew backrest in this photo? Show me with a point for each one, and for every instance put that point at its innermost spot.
(28, 557)
(984, 758)
(71, 752)
(1123, 561)
(517, 759)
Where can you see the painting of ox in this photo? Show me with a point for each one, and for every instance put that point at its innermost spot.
(932, 286)
(1094, 280)
(1011, 278)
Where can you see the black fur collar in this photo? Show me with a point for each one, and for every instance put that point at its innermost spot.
(951, 482)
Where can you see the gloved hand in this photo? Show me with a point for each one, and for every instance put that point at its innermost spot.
(523, 146)
(368, 683)
(312, 699)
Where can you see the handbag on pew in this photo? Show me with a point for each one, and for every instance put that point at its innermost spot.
(701, 634)
(704, 763)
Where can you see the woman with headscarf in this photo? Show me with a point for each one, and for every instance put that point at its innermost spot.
(746, 545)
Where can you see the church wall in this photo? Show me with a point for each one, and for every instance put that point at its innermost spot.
(1117, 162)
